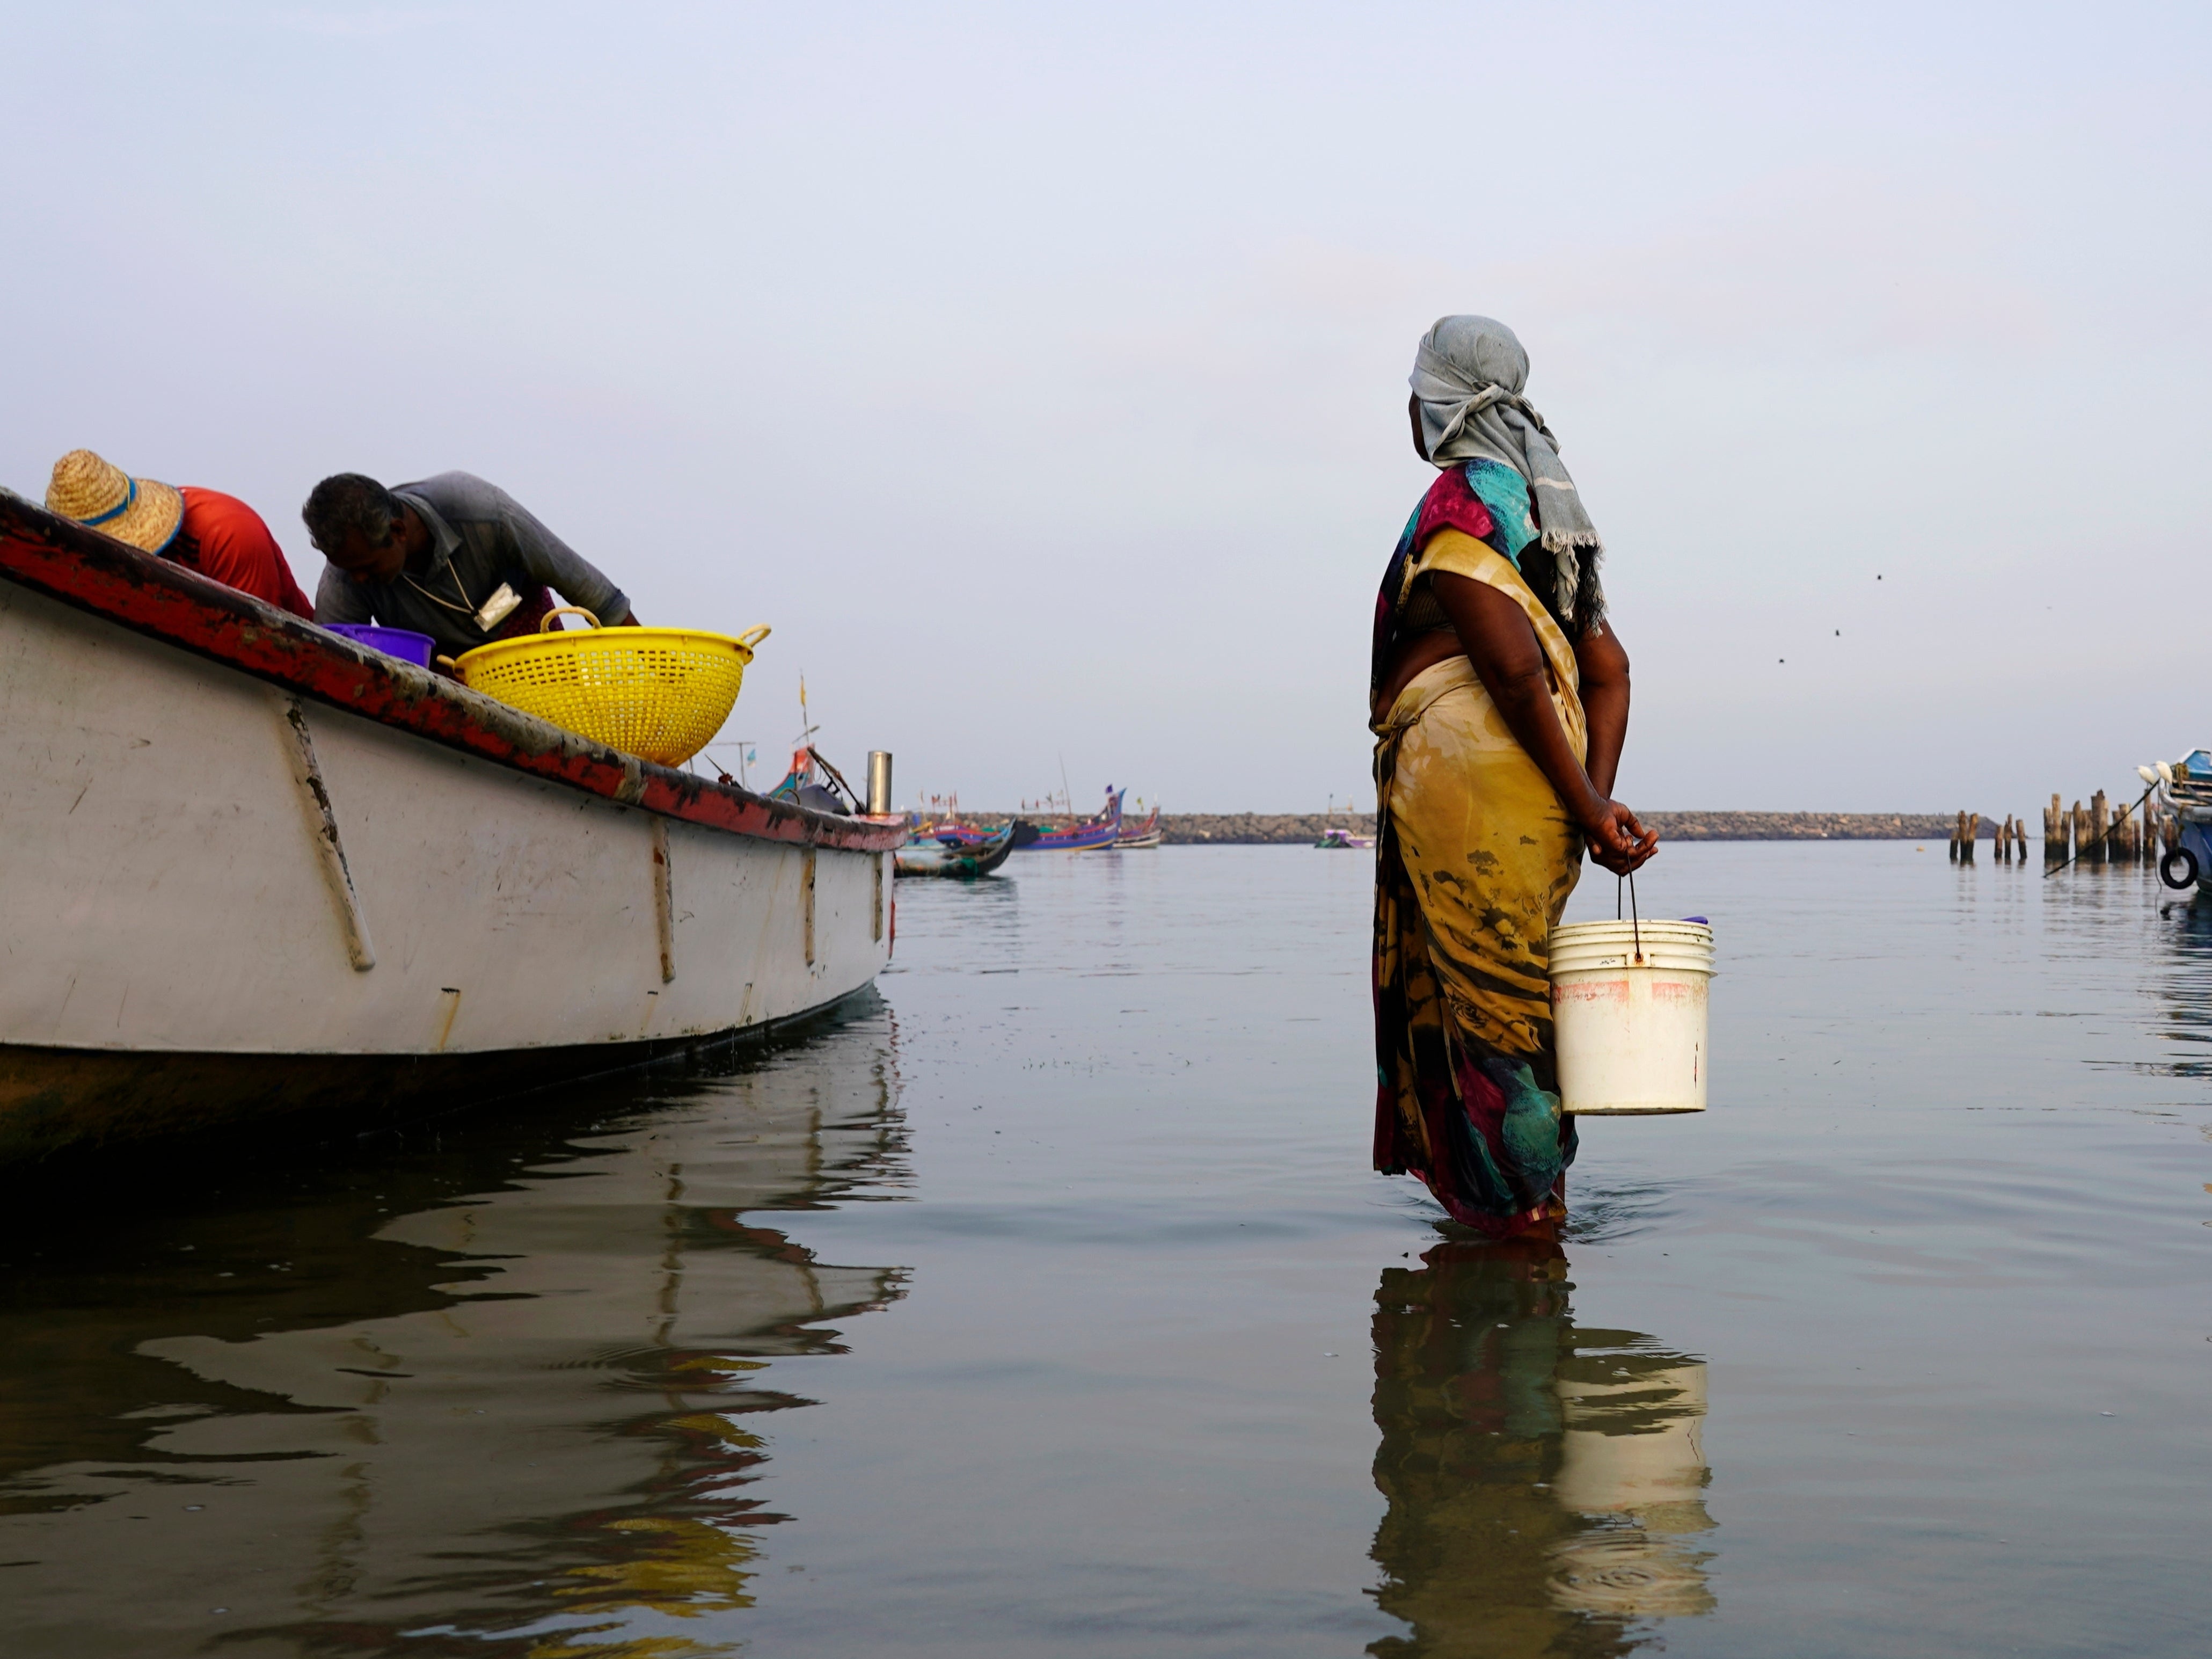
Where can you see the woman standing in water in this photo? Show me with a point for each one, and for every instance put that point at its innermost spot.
(1499, 697)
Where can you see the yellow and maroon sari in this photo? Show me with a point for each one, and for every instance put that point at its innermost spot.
(1474, 860)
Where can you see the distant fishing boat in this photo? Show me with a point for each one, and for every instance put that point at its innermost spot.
(944, 822)
(952, 832)
(1145, 832)
(1088, 833)
(937, 858)
(1341, 838)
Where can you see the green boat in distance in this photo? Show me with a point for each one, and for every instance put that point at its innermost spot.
(962, 862)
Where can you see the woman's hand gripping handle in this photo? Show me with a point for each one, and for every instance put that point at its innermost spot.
(1617, 841)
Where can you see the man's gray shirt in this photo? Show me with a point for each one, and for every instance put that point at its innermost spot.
(480, 536)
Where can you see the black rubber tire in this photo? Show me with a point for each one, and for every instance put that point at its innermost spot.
(2178, 868)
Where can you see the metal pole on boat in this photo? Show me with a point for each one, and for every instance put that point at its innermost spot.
(879, 783)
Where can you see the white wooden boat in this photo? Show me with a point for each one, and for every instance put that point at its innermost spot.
(248, 865)
(1136, 836)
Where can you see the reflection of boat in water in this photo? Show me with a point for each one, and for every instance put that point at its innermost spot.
(959, 859)
(512, 1389)
(1542, 1477)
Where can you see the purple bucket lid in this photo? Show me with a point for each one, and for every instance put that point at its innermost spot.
(403, 643)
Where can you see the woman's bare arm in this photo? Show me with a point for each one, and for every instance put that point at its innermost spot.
(1604, 669)
(1500, 641)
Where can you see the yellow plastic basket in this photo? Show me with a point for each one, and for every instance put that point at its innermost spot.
(660, 693)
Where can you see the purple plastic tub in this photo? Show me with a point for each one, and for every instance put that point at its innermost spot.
(402, 642)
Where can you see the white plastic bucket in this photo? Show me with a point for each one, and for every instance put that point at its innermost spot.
(1631, 1034)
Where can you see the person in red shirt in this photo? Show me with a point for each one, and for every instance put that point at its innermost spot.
(203, 530)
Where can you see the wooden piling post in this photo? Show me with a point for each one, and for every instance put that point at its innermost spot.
(2100, 821)
(2054, 832)
(1971, 827)
(2078, 823)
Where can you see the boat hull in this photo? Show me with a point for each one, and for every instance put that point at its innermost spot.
(220, 898)
(1147, 832)
(1076, 841)
(55, 1099)
(960, 863)
(1101, 831)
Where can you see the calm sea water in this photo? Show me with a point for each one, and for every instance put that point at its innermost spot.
(1047, 1305)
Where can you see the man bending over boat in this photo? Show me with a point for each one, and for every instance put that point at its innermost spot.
(202, 530)
(451, 556)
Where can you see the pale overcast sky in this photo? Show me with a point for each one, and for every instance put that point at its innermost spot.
(1038, 373)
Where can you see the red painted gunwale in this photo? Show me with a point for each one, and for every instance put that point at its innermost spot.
(109, 578)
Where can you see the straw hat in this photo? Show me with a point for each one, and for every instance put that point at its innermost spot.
(99, 494)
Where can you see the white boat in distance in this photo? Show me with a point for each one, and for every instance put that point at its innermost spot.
(249, 866)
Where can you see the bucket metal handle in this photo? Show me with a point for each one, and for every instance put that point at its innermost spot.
(1636, 927)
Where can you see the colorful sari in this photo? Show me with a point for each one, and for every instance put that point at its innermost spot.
(1474, 860)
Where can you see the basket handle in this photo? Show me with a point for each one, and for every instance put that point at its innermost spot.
(546, 626)
(753, 637)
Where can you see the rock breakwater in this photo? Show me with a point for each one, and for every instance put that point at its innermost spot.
(1294, 829)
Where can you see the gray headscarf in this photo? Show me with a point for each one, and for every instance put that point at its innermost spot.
(1468, 373)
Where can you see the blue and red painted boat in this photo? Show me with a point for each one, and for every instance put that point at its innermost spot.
(1102, 830)
(955, 833)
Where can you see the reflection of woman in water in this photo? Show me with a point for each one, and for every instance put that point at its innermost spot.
(1544, 1482)
(1498, 694)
